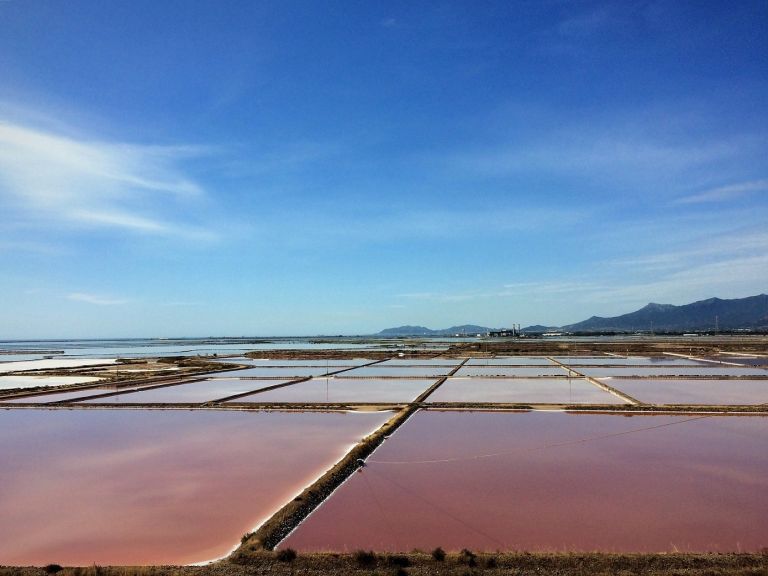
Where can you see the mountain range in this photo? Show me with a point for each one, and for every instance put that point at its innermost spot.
(749, 313)
(468, 329)
(711, 314)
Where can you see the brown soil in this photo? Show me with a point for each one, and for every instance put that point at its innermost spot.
(458, 564)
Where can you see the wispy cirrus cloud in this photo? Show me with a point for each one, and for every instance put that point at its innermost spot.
(595, 152)
(439, 297)
(732, 264)
(725, 193)
(728, 265)
(725, 247)
(548, 287)
(732, 277)
(96, 299)
(65, 181)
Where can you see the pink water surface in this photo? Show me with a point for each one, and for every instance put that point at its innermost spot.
(204, 391)
(510, 361)
(716, 392)
(549, 481)
(154, 487)
(526, 390)
(511, 371)
(398, 371)
(344, 390)
(44, 398)
(270, 371)
(704, 370)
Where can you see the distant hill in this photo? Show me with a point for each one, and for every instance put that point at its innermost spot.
(468, 329)
(407, 331)
(739, 313)
(736, 314)
(538, 329)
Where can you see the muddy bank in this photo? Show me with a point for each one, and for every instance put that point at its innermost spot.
(454, 564)
(289, 516)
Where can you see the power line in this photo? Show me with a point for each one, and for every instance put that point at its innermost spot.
(543, 447)
(389, 526)
(464, 523)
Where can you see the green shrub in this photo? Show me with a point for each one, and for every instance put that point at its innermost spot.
(52, 568)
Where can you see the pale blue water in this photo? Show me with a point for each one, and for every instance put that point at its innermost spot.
(138, 348)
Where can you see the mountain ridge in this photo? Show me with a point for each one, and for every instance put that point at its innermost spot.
(408, 330)
(709, 314)
(749, 313)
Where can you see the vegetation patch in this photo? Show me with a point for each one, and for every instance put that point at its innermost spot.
(286, 555)
(364, 558)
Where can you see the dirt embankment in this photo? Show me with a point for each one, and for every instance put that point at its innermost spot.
(454, 564)
(289, 516)
(587, 346)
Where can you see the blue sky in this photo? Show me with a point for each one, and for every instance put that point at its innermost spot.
(243, 168)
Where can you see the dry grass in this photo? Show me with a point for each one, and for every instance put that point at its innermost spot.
(454, 564)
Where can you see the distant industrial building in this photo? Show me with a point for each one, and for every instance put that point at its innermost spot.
(513, 332)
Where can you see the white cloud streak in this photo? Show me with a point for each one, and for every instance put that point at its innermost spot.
(64, 181)
(729, 266)
(96, 300)
(593, 152)
(725, 193)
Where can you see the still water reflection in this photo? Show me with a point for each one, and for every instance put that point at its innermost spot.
(555, 481)
(154, 487)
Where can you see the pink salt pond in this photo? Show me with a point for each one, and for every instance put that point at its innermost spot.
(432, 362)
(286, 372)
(196, 392)
(510, 361)
(397, 371)
(714, 392)
(141, 487)
(713, 370)
(553, 481)
(44, 398)
(511, 371)
(523, 390)
(343, 390)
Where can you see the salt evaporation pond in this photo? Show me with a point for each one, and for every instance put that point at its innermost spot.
(522, 390)
(155, 487)
(343, 390)
(451, 362)
(12, 382)
(510, 361)
(744, 360)
(716, 392)
(399, 371)
(511, 372)
(67, 395)
(278, 362)
(713, 370)
(553, 481)
(195, 392)
(11, 357)
(53, 364)
(138, 348)
(631, 361)
(276, 372)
